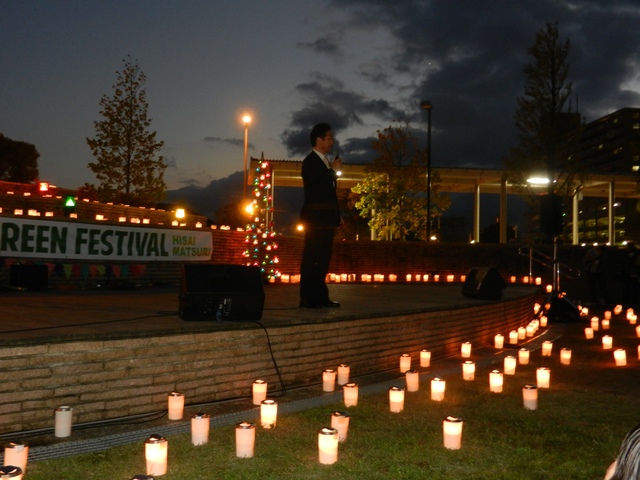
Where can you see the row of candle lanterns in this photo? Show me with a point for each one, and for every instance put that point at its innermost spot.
(409, 278)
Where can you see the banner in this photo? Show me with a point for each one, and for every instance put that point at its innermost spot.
(82, 241)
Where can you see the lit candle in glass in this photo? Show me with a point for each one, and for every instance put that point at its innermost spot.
(465, 350)
(350, 391)
(396, 399)
(452, 432)
(547, 346)
(176, 406)
(620, 357)
(268, 413)
(530, 397)
(259, 391)
(607, 342)
(498, 341)
(468, 370)
(522, 333)
(513, 337)
(565, 356)
(543, 377)
(438, 386)
(340, 421)
(425, 358)
(405, 362)
(63, 420)
(16, 453)
(328, 380)
(412, 378)
(245, 439)
(328, 446)
(200, 423)
(495, 381)
(156, 449)
(343, 373)
(588, 333)
(509, 365)
(523, 356)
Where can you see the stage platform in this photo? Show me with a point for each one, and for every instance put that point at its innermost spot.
(34, 317)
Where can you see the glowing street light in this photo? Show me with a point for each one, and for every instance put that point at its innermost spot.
(246, 119)
(426, 105)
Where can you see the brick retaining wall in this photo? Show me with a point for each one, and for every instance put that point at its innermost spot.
(106, 379)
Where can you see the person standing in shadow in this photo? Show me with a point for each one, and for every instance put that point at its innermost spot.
(320, 216)
(595, 261)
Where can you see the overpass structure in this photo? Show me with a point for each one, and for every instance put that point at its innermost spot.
(288, 173)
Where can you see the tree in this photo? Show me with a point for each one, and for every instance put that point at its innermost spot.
(393, 194)
(18, 161)
(544, 146)
(127, 165)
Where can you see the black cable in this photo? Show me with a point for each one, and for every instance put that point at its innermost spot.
(283, 388)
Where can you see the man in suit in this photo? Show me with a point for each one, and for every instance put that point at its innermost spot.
(320, 216)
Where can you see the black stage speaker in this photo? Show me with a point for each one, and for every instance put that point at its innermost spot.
(562, 309)
(29, 276)
(221, 292)
(484, 283)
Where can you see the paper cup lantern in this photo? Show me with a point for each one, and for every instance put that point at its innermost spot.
(200, 424)
(63, 421)
(543, 377)
(522, 333)
(328, 380)
(565, 356)
(620, 357)
(468, 370)
(245, 439)
(605, 324)
(530, 397)
(175, 402)
(513, 337)
(343, 374)
(547, 346)
(340, 421)
(523, 356)
(509, 365)
(495, 381)
(588, 333)
(412, 378)
(259, 391)
(17, 454)
(328, 446)
(350, 393)
(607, 342)
(396, 399)
(268, 413)
(543, 321)
(438, 386)
(11, 471)
(405, 362)
(452, 432)
(595, 323)
(425, 358)
(465, 350)
(156, 449)
(498, 341)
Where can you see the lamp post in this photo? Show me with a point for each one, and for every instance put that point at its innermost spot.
(426, 105)
(246, 120)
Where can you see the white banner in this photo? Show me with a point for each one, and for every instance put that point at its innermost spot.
(24, 237)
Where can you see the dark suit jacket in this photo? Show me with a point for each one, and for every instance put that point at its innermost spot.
(320, 208)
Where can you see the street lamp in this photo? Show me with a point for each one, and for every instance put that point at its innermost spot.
(246, 120)
(426, 105)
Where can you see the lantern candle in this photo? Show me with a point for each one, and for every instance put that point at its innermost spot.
(638, 352)
(328, 380)
(63, 419)
(595, 323)
(620, 357)
(538, 281)
(607, 342)
(638, 331)
(408, 277)
(495, 381)
(547, 346)
(633, 319)
(522, 333)
(343, 373)
(468, 370)
(523, 356)
(259, 391)
(512, 279)
(396, 399)
(450, 278)
(588, 333)
(176, 406)
(340, 421)
(452, 432)
(605, 324)
(155, 449)
(16, 453)
(549, 288)
(498, 341)
(509, 365)
(607, 315)
(245, 439)
(617, 310)
(530, 329)
(200, 423)
(465, 350)
(350, 391)
(438, 386)
(565, 356)
(11, 471)
(513, 337)
(530, 397)
(268, 413)
(543, 321)
(412, 378)
(543, 377)
(405, 362)
(630, 313)
(436, 278)
(425, 358)
(328, 446)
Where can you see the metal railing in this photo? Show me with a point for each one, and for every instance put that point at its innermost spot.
(550, 263)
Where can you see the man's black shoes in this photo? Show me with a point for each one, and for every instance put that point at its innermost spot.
(330, 304)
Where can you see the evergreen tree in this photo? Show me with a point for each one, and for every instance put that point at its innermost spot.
(127, 165)
(18, 161)
(393, 194)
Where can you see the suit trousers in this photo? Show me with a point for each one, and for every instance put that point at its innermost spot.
(318, 244)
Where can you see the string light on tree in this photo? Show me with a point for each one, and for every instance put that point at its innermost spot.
(261, 247)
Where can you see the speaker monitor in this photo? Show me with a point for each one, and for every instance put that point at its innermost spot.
(221, 292)
(484, 283)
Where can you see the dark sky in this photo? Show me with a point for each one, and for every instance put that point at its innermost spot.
(359, 64)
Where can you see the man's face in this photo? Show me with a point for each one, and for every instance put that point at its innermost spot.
(325, 144)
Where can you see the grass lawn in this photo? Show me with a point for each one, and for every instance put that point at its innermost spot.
(574, 434)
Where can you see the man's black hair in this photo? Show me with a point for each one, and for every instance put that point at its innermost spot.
(319, 131)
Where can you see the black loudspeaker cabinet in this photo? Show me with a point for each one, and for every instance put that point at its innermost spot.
(29, 276)
(484, 284)
(221, 293)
